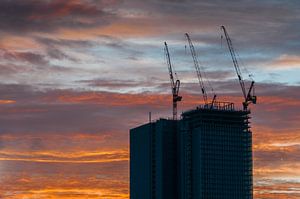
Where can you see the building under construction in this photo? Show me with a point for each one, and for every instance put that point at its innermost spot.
(215, 153)
(206, 154)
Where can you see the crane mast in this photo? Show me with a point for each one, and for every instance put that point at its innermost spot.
(198, 71)
(174, 84)
(248, 96)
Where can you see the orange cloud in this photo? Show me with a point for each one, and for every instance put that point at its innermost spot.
(286, 62)
(269, 189)
(2, 101)
(276, 100)
(13, 43)
(66, 157)
(269, 139)
(113, 99)
(119, 99)
(65, 193)
(76, 136)
(76, 193)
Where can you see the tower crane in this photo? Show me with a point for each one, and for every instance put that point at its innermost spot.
(198, 71)
(174, 84)
(249, 96)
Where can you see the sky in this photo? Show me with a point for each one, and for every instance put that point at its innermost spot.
(76, 75)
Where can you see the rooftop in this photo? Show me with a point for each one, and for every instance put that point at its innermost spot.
(217, 106)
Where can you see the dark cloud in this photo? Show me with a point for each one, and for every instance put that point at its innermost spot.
(58, 48)
(64, 111)
(43, 16)
(57, 54)
(10, 69)
(64, 42)
(270, 27)
(27, 62)
(29, 57)
(122, 46)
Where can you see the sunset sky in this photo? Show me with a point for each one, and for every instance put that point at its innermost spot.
(76, 75)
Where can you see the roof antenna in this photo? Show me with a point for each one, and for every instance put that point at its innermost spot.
(150, 117)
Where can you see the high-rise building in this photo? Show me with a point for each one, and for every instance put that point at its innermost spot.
(205, 155)
(153, 163)
(216, 153)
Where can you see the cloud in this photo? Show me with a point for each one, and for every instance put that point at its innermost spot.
(59, 49)
(111, 83)
(44, 16)
(269, 189)
(29, 57)
(2, 101)
(95, 180)
(62, 110)
(286, 62)
(58, 157)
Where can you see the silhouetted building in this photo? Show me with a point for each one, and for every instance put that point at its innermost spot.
(215, 154)
(153, 163)
(205, 155)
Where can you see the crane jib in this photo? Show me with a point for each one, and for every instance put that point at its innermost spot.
(247, 96)
(174, 84)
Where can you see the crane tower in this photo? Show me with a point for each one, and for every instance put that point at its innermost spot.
(249, 96)
(175, 84)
